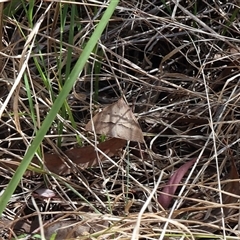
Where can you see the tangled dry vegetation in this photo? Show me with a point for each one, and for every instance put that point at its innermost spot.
(176, 64)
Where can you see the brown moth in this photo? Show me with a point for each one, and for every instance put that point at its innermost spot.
(117, 120)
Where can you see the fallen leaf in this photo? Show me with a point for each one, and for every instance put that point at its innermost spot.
(84, 157)
(117, 120)
(168, 191)
(87, 156)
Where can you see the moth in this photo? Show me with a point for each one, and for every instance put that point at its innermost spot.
(117, 120)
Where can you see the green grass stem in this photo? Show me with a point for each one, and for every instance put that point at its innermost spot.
(77, 69)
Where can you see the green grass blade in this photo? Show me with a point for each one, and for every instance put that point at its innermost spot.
(57, 105)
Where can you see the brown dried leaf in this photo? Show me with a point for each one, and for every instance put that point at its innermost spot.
(87, 156)
(84, 157)
(117, 120)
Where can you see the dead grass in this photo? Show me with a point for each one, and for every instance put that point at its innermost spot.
(177, 65)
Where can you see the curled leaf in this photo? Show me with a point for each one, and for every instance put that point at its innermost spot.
(165, 196)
